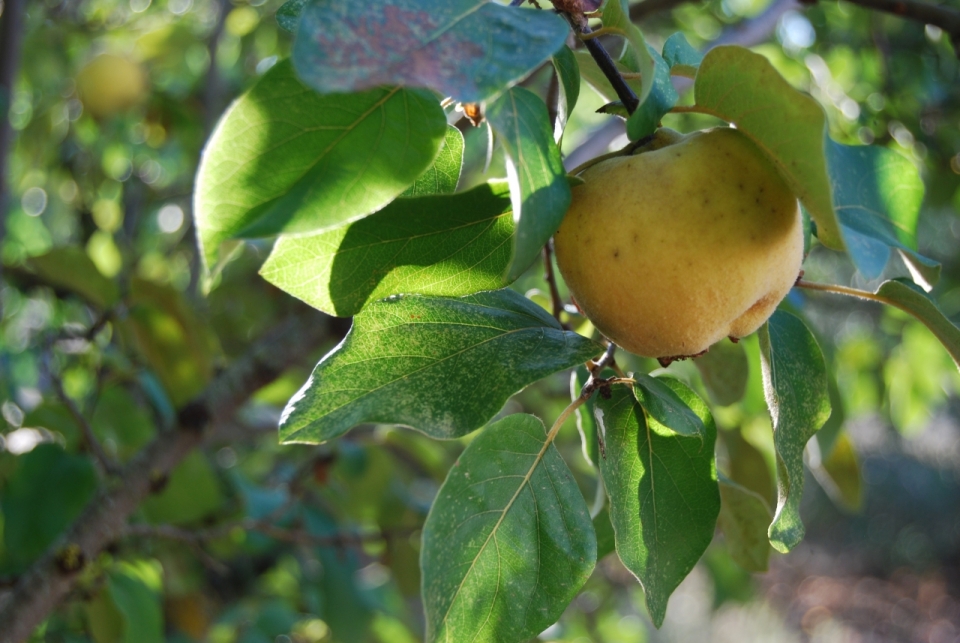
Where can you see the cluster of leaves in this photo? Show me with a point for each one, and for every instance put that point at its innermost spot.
(360, 187)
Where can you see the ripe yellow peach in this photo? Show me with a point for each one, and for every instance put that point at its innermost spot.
(670, 250)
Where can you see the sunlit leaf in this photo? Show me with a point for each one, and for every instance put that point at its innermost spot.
(795, 385)
(744, 518)
(681, 58)
(636, 55)
(657, 397)
(663, 491)
(285, 159)
(433, 245)
(910, 298)
(539, 190)
(508, 542)
(467, 49)
(442, 366)
(441, 177)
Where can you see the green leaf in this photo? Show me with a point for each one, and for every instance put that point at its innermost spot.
(747, 466)
(120, 420)
(285, 159)
(681, 58)
(909, 298)
(661, 98)
(663, 492)
(744, 518)
(135, 589)
(441, 177)
(743, 88)
(288, 15)
(46, 492)
(877, 195)
(433, 245)
(636, 55)
(191, 493)
(568, 73)
(656, 396)
(724, 370)
(839, 474)
(538, 184)
(70, 268)
(442, 366)
(467, 49)
(590, 72)
(508, 542)
(606, 539)
(586, 423)
(795, 385)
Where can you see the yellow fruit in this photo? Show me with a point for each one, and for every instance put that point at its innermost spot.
(109, 84)
(670, 250)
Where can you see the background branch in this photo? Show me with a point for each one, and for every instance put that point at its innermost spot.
(104, 520)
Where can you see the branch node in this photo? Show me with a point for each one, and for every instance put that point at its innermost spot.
(194, 417)
(70, 559)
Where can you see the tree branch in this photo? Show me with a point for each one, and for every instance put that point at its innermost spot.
(604, 61)
(104, 520)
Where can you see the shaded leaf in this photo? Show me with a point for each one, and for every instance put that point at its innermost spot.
(508, 542)
(661, 97)
(724, 370)
(70, 268)
(636, 55)
(909, 298)
(744, 518)
(288, 15)
(748, 467)
(663, 492)
(795, 386)
(877, 195)
(839, 474)
(441, 177)
(539, 190)
(134, 588)
(285, 159)
(46, 492)
(191, 493)
(568, 74)
(118, 419)
(586, 423)
(428, 363)
(681, 58)
(657, 397)
(606, 539)
(743, 88)
(433, 245)
(467, 49)
(590, 72)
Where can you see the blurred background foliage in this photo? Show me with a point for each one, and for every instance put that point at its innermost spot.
(249, 541)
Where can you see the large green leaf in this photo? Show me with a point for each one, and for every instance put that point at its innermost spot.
(433, 245)
(909, 298)
(442, 366)
(285, 159)
(795, 385)
(44, 495)
(743, 88)
(663, 491)
(538, 182)
(508, 542)
(467, 49)
(744, 518)
(877, 195)
(441, 177)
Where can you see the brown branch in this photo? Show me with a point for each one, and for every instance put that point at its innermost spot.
(946, 18)
(104, 520)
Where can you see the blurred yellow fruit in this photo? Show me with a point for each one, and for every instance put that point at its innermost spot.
(670, 250)
(110, 84)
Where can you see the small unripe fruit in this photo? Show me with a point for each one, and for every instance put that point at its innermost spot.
(671, 250)
(110, 84)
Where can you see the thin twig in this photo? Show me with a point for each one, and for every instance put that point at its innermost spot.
(604, 62)
(551, 278)
(843, 290)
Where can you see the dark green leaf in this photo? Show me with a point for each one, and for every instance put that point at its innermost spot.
(538, 184)
(70, 268)
(795, 385)
(586, 423)
(191, 493)
(288, 15)
(606, 539)
(568, 73)
(743, 88)
(661, 98)
(909, 298)
(120, 420)
(434, 245)
(467, 49)
(135, 589)
(724, 369)
(877, 195)
(285, 159)
(44, 495)
(663, 492)
(744, 518)
(508, 542)
(657, 397)
(636, 55)
(442, 366)
(441, 177)
(681, 58)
